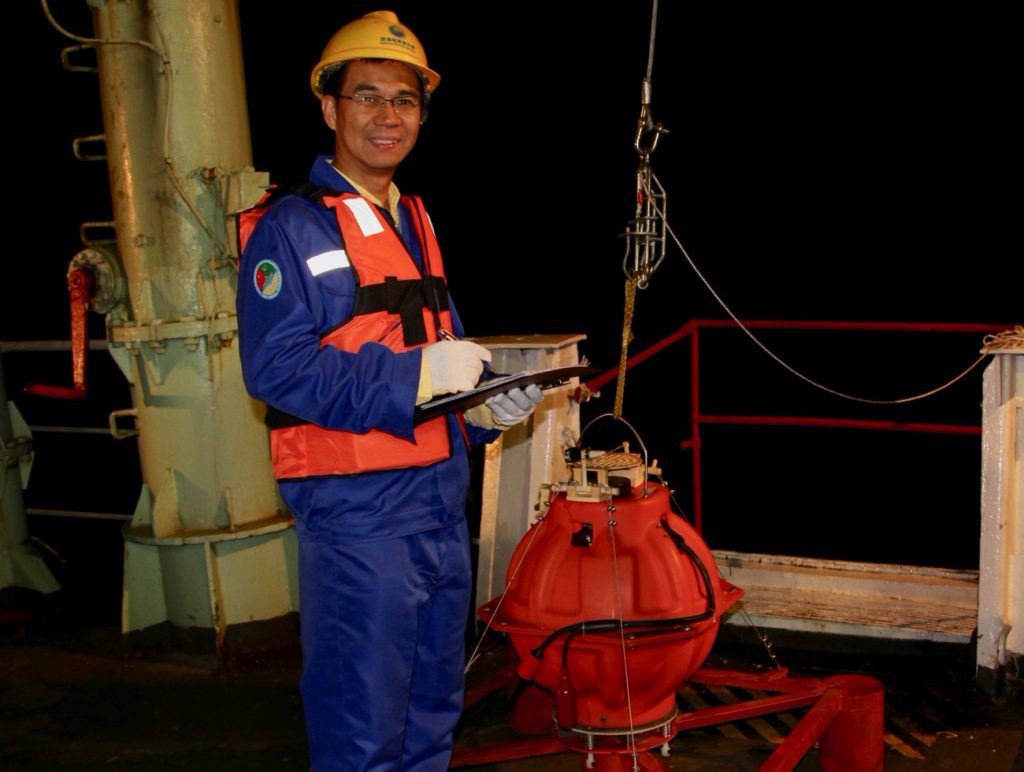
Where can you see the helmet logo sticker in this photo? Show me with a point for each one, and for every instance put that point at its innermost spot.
(267, 279)
(397, 41)
(398, 32)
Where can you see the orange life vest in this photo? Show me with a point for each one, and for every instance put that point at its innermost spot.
(395, 306)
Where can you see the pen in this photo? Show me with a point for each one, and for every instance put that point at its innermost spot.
(489, 372)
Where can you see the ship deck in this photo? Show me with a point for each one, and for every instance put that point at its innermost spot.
(70, 699)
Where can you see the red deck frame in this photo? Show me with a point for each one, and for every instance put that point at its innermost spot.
(692, 330)
(825, 700)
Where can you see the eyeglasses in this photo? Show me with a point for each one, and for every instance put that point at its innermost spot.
(370, 103)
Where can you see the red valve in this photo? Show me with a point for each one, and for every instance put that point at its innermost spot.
(80, 284)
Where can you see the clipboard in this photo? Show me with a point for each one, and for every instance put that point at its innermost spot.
(546, 379)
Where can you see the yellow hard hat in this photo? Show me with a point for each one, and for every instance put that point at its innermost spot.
(378, 35)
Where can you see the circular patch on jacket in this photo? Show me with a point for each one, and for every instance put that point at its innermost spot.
(267, 279)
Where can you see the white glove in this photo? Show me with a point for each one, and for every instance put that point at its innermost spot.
(514, 405)
(454, 365)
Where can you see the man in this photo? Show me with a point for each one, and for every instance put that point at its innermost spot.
(345, 325)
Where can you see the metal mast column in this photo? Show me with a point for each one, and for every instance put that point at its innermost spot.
(208, 548)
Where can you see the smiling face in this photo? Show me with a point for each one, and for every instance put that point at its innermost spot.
(370, 144)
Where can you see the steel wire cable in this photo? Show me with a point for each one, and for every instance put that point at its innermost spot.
(650, 47)
(785, 365)
(622, 637)
(501, 598)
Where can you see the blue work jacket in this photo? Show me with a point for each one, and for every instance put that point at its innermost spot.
(284, 308)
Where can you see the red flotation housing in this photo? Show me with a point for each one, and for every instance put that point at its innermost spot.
(584, 567)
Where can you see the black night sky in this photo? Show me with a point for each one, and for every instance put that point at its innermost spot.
(847, 162)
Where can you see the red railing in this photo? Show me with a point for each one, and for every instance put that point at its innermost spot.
(692, 330)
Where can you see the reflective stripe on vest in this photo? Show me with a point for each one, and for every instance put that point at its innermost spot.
(378, 256)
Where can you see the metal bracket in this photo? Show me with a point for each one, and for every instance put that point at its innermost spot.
(65, 58)
(90, 240)
(116, 431)
(584, 537)
(77, 142)
(242, 189)
(19, 450)
(220, 330)
(15, 450)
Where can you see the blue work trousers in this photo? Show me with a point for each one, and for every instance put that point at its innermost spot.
(383, 625)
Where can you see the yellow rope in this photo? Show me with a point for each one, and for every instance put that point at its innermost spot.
(627, 337)
(1004, 341)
